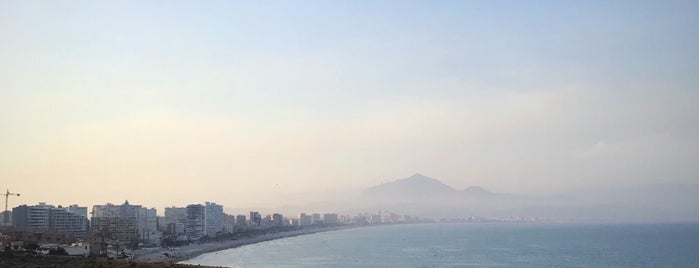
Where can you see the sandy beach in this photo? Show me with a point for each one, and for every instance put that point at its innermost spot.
(190, 251)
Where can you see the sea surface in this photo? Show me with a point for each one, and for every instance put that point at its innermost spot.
(475, 245)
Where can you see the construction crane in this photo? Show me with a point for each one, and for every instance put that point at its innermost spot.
(6, 213)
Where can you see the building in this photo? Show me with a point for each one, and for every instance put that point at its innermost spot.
(305, 220)
(345, 219)
(315, 218)
(47, 217)
(39, 236)
(241, 220)
(375, 218)
(293, 222)
(31, 217)
(255, 218)
(194, 228)
(118, 229)
(175, 215)
(162, 225)
(213, 219)
(229, 223)
(277, 219)
(126, 223)
(97, 244)
(5, 241)
(147, 226)
(330, 218)
(6, 217)
(176, 220)
(82, 211)
(63, 220)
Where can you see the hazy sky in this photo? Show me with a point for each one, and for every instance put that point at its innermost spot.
(248, 102)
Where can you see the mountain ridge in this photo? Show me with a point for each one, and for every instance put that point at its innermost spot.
(421, 185)
(422, 195)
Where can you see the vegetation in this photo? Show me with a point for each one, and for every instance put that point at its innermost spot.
(35, 261)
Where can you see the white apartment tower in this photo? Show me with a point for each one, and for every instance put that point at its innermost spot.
(213, 219)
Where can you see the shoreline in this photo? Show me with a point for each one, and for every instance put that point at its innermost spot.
(194, 250)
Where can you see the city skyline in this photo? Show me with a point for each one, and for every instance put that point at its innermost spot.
(265, 104)
(419, 195)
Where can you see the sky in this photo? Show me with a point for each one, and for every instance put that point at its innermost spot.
(257, 102)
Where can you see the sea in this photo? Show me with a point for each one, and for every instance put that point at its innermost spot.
(475, 245)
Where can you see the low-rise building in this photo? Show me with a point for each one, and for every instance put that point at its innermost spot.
(98, 246)
(39, 236)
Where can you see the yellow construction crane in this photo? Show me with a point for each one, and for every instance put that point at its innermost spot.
(7, 214)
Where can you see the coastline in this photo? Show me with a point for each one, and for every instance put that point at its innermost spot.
(184, 253)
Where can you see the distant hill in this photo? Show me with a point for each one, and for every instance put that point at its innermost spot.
(476, 190)
(420, 187)
(425, 196)
(415, 186)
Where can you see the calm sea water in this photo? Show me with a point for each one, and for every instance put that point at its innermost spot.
(475, 245)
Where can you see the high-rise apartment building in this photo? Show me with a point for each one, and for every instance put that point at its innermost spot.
(31, 217)
(147, 226)
(176, 220)
(316, 218)
(65, 221)
(213, 219)
(305, 220)
(240, 220)
(330, 218)
(277, 219)
(176, 215)
(126, 223)
(48, 217)
(195, 226)
(255, 218)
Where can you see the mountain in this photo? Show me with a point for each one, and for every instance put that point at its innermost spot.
(423, 196)
(419, 186)
(476, 190)
(415, 186)
(428, 197)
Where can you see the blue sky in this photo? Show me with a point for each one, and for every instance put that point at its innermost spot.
(278, 97)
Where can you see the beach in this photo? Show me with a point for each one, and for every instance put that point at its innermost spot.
(195, 249)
